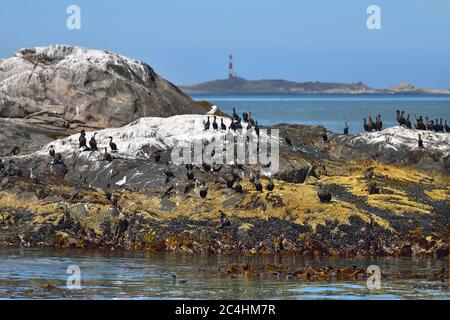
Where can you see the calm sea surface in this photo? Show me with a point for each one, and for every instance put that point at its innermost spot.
(330, 111)
(139, 275)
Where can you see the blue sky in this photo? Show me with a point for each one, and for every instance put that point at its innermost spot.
(188, 41)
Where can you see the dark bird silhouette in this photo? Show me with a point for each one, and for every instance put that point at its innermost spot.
(93, 143)
(378, 123)
(346, 128)
(446, 127)
(15, 151)
(420, 142)
(408, 122)
(223, 127)
(370, 124)
(215, 125)
(245, 116)
(58, 159)
(372, 188)
(368, 174)
(168, 173)
(82, 139)
(230, 180)
(271, 185)
(203, 190)
(157, 156)
(51, 151)
(436, 126)
(238, 187)
(399, 118)
(207, 125)
(223, 220)
(190, 175)
(323, 194)
(107, 156)
(429, 124)
(324, 135)
(418, 123)
(112, 145)
(111, 197)
(366, 126)
(258, 185)
(288, 140)
(189, 166)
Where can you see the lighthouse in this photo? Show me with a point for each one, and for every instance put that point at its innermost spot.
(230, 67)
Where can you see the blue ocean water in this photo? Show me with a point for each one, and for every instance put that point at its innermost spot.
(330, 111)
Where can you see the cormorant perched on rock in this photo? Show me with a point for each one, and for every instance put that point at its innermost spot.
(233, 125)
(271, 185)
(190, 175)
(82, 139)
(15, 151)
(169, 173)
(93, 143)
(372, 188)
(51, 151)
(114, 200)
(408, 122)
(366, 126)
(215, 125)
(33, 178)
(107, 156)
(378, 123)
(428, 124)
(258, 185)
(157, 156)
(206, 166)
(223, 127)
(207, 125)
(446, 127)
(324, 135)
(371, 124)
(223, 221)
(203, 190)
(368, 174)
(288, 140)
(346, 128)
(324, 195)
(238, 187)
(112, 145)
(418, 123)
(245, 117)
(57, 159)
(238, 125)
(400, 118)
(420, 142)
(230, 180)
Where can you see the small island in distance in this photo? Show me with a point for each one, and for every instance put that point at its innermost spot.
(239, 85)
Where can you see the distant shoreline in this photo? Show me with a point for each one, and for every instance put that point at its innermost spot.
(267, 86)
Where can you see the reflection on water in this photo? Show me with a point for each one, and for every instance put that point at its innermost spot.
(139, 275)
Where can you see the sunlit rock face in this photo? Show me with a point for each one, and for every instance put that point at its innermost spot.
(62, 88)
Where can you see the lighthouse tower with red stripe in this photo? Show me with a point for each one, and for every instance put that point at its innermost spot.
(230, 67)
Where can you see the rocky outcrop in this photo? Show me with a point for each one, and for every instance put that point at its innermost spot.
(61, 89)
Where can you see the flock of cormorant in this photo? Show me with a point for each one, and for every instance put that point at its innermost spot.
(234, 178)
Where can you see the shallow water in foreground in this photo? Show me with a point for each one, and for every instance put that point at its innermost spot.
(139, 275)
